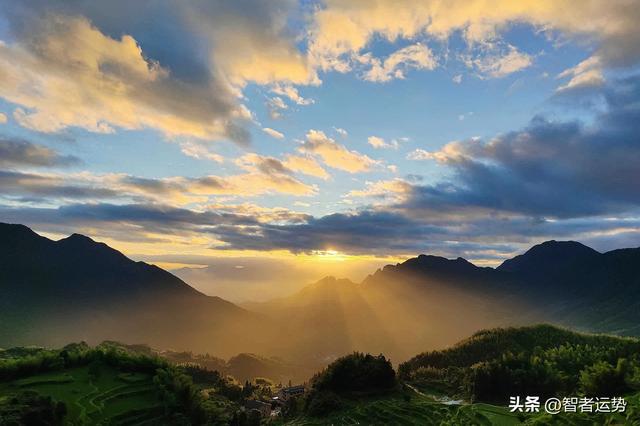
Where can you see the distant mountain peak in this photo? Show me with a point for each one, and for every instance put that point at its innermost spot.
(438, 263)
(79, 237)
(7, 229)
(331, 281)
(548, 253)
(562, 245)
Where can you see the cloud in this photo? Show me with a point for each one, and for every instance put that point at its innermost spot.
(419, 154)
(495, 63)
(268, 174)
(395, 190)
(66, 73)
(200, 151)
(550, 169)
(26, 186)
(342, 132)
(587, 73)
(457, 78)
(362, 233)
(273, 133)
(263, 50)
(306, 165)
(292, 93)
(379, 143)
(105, 66)
(341, 29)
(276, 106)
(3, 118)
(417, 56)
(380, 232)
(335, 155)
(18, 152)
(262, 175)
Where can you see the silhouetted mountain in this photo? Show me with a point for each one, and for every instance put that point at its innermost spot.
(563, 281)
(79, 289)
(78, 268)
(425, 270)
(549, 257)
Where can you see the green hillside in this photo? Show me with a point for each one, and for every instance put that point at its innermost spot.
(111, 396)
(467, 384)
(106, 385)
(543, 360)
(417, 410)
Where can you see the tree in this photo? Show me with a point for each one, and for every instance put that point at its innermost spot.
(603, 379)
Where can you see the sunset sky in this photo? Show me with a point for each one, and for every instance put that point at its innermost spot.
(300, 139)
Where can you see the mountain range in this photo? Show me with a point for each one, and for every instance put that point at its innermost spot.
(76, 289)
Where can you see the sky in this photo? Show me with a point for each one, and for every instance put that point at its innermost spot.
(320, 137)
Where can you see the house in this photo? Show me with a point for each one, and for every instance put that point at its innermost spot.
(291, 392)
(263, 407)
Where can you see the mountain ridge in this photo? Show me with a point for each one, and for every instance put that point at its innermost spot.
(89, 290)
(78, 289)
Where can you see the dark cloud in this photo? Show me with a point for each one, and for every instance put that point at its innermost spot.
(47, 187)
(551, 169)
(18, 152)
(366, 232)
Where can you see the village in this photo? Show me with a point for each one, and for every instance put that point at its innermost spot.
(283, 399)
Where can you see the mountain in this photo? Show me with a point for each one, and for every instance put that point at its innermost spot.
(328, 319)
(78, 268)
(561, 281)
(397, 311)
(550, 257)
(431, 301)
(74, 289)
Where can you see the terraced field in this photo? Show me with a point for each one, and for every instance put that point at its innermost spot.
(420, 410)
(111, 397)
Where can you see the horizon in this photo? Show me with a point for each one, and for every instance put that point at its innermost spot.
(291, 291)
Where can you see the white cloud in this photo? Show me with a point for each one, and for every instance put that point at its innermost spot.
(457, 79)
(3, 118)
(273, 133)
(419, 154)
(292, 93)
(417, 56)
(380, 143)
(496, 63)
(276, 106)
(342, 132)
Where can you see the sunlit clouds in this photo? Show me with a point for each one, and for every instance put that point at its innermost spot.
(324, 132)
(334, 154)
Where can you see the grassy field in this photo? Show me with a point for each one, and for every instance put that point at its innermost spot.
(110, 397)
(419, 410)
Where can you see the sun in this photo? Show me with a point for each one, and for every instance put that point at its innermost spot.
(329, 255)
